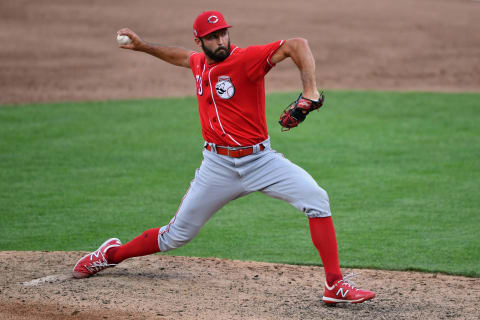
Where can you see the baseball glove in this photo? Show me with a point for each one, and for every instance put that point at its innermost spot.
(298, 110)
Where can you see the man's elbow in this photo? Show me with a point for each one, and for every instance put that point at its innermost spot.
(297, 44)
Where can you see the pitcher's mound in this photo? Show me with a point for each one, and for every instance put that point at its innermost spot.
(39, 285)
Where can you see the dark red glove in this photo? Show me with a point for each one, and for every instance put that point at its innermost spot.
(298, 110)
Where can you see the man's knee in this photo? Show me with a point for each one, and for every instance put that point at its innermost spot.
(317, 204)
(318, 193)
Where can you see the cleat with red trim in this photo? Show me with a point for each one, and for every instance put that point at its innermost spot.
(96, 261)
(344, 291)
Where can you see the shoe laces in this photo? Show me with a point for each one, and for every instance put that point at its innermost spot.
(347, 280)
(99, 262)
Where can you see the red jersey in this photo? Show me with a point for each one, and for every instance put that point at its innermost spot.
(231, 95)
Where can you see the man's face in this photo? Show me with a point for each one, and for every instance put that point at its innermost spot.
(216, 45)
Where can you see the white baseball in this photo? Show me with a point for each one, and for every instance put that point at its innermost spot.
(123, 39)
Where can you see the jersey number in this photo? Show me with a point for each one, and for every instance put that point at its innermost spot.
(199, 85)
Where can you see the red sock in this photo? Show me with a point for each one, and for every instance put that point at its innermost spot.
(146, 243)
(324, 239)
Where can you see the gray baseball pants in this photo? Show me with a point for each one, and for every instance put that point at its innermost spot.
(221, 179)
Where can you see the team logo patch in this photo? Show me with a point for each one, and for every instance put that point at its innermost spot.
(224, 87)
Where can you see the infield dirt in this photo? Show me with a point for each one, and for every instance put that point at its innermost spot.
(56, 50)
(60, 50)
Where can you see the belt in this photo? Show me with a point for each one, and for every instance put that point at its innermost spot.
(234, 152)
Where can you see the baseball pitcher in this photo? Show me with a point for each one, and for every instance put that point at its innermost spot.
(237, 156)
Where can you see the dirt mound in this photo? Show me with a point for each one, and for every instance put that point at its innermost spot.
(38, 285)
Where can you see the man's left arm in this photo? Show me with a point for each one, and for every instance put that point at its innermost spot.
(299, 51)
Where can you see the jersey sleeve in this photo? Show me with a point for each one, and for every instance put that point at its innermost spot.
(257, 59)
(194, 59)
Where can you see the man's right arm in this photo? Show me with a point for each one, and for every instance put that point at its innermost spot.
(174, 55)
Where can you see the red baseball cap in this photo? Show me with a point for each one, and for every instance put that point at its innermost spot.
(208, 22)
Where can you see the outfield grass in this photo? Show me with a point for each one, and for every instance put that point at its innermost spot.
(402, 171)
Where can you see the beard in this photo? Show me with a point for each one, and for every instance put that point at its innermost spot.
(220, 54)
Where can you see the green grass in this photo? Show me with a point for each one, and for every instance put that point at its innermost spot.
(402, 171)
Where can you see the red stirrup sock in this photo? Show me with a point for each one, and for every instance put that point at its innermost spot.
(324, 239)
(146, 243)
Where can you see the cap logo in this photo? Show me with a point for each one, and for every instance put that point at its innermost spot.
(195, 32)
(212, 19)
